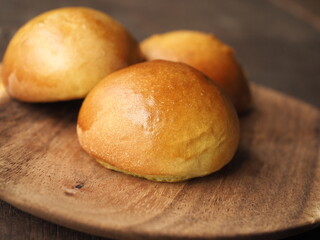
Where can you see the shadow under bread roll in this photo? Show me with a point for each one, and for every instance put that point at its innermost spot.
(63, 53)
(159, 120)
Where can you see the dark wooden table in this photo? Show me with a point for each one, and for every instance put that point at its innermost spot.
(277, 41)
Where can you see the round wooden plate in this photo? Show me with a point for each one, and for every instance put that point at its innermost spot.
(270, 189)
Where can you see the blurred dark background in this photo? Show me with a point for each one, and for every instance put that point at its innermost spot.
(277, 42)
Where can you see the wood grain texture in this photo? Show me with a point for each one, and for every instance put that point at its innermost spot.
(276, 48)
(270, 189)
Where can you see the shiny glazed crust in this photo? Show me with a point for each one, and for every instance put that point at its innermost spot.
(205, 53)
(160, 120)
(63, 53)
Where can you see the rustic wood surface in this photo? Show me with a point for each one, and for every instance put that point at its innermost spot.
(271, 188)
(278, 42)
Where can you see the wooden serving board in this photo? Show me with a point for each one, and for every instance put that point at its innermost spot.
(270, 189)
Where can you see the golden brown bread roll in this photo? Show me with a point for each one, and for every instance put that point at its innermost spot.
(205, 53)
(4, 98)
(63, 53)
(159, 120)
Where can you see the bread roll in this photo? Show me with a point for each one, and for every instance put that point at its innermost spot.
(4, 98)
(205, 53)
(159, 120)
(62, 54)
